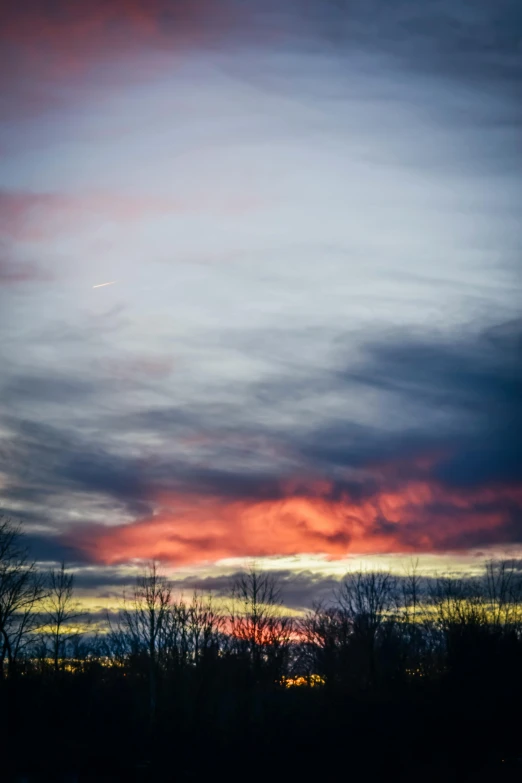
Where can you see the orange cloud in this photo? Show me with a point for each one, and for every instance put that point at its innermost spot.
(421, 517)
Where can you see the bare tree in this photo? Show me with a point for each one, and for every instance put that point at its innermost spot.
(143, 621)
(175, 645)
(368, 598)
(61, 610)
(458, 603)
(325, 635)
(259, 628)
(192, 630)
(503, 594)
(414, 635)
(206, 627)
(21, 590)
(460, 617)
(475, 615)
(369, 601)
(412, 592)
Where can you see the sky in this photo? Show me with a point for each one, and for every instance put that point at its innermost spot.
(309, 353)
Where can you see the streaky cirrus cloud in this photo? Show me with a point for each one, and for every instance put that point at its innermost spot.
(60, 35)
(14, 271)
(311, 212)
(33, 216)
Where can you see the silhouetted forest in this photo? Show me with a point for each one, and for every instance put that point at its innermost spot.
(396, 678)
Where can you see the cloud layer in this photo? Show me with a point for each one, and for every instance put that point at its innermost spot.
(313, 341)
(205, 482)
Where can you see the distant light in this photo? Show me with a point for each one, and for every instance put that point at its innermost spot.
(101, 285)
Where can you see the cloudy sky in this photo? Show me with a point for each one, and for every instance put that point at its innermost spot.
(310, 350)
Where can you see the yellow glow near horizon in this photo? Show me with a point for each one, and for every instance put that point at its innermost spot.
(98, 600)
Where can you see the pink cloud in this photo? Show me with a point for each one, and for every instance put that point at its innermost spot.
(63, 43)
(71, 35)
(37, 216)
(53, 54)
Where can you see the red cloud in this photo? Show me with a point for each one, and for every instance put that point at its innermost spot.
(420, 517)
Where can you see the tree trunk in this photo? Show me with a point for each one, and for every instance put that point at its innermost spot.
(2, 659)
(7, 649)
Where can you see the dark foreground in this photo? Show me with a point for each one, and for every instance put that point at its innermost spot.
(393, 681)
(93, 727)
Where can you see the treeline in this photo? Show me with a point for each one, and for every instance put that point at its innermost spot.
(396, 677)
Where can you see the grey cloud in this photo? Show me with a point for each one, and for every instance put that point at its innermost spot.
(46, 548)
(475, 41)
(15, 271)
(43, 388)
(477, 378)
(298, 590)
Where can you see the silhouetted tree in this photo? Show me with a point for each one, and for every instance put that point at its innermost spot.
(259, 630)
(366, 643)
(325, 634)
(143, 621)
(413, 632)
(192, 631)
(60, 610)
(503, 594)
(21, 590)
(369, 603)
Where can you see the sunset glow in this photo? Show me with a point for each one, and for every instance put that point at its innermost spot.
(312, 352)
